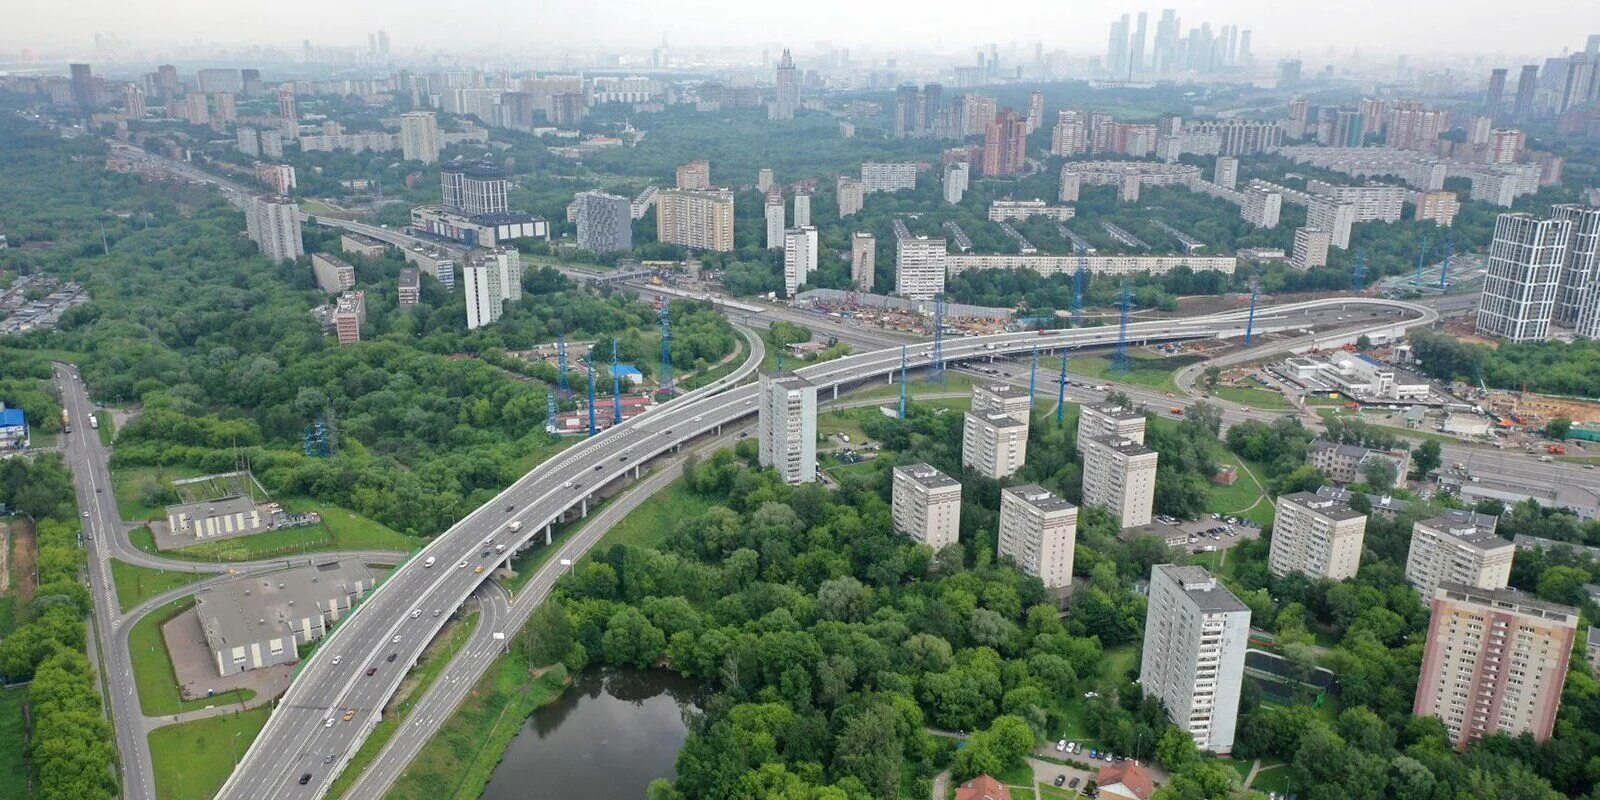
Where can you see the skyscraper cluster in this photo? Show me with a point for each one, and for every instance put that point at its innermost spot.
(1132, 52)
(916, 111)
(1542, 271)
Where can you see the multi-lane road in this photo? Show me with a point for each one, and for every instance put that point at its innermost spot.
(386, 634)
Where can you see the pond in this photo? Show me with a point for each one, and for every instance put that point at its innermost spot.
(609, 735)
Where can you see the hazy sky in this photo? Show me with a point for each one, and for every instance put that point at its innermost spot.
(1419, 26)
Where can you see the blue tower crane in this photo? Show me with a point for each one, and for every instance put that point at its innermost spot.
(550, 401)
(902, 381)
(593, 429)
(1033, 376)
(1120, 359)
(1422, 257)
(1444, 269)
(1250, 324)
(561, 364)
(616, 387)
(1077, 285)
(666, 348)
(1061, 391)
(1358, 276)
(936, 368)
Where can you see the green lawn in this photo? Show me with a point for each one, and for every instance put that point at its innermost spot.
(700, 379)
(457, 762)
(1227, 500)
(106, 428)
(544, 449)
(130, 483)
(341, 529)
(1253, 396)
(1020, 776)
(1272, 780)
(152, 667)
(191, 760)
(136, 584)
(438, 656)
(1117, 661)
(954, 382)
(649, 524)
(845, 421)
(1048, 792)
(13, 769)
(1144, 369)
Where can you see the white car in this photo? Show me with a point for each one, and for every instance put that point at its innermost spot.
(327, 723)
(395, 640)
(415, 612)
(337, 659)
(1061, 746)
(461, 565)
(696, 419)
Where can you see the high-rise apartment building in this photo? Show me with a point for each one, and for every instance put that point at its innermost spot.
(786, 427)
(1495, 94)
(1504, 145)
(1310, 248)
(475, 189)
(1119, 475)
(1038, 531)
(1458, 547)
(981, 110)
(1005, 144)
(1527, 86)
(1412, 127)
(764, 180)
(695, 176)
(273, 223)
(926, 505)
(1495, 661)
(333, 273)
(774, 217)
(1440, 206)
(852, 196)
(1334, 216)
(289, 109)
(802, 208)
(1115, 422)
(919, 269)
(787, 96)
(957, 176)
(1260, 207)
(993, 444)
(349, 313)
(863, 260)
(1035, 118)
(1578, 306)
(419, 136)
(1195, 636)
(410, 287)
(1226, 172)
(878, 176)
(1002, 398)
(605, 222)
(699, 220)
(799, 258)
(1070, 136)
(1524, 270)
(493, 278)
(1317, 536)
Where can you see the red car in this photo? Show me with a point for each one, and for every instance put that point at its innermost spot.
(371, 671)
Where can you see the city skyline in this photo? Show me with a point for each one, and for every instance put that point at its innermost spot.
(557, 26)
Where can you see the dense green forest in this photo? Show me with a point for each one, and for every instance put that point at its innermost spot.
(1567, 368)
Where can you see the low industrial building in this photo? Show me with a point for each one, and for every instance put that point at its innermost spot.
(482, 230)
(13, 427)
(224, 518)
(259, 621)
(356, 244)
(333, 273)
(1358, 376)
(1347, 463)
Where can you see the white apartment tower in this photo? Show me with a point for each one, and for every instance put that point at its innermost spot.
(799, 258)
(1038, 531)
(1525, 265)
(774, 212)
(419, 136)
(956, 177)
(1119, 475)
(1116, 422)
(1195, 635)
(802, 208)
(492, 278)
(1002, 398)
(1310, 248)
(273, 223)
(851, 196)
(1578, 306)
(926, 505)
(1315, 535)
(1458, 547)
(993, 444)
(919, 268)
(863, 260)
(787, 427)
(879, 176)
(1226, 173)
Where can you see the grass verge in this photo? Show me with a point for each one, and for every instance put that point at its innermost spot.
(341, 529)
(136, 487)
(152, 667)
(1144, 369)
(192, 759)
(136, 584)
(438, 656)
(458, 761)
(106, 427)
(13, 742)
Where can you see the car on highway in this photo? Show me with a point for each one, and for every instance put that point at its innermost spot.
(462, 565)
(392, 657)
(415, 612)
(328, 723)
(430, 562)
(701, 417)
(336, 660)
(371, 671)
(305, 779)
(478, 569)
(396, 639)
(351, 714)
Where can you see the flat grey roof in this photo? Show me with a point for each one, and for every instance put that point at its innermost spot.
(222, 506)
(1004, 390)
(1326, 506)
(1131, 448)
(999, 420)
(410, 276)
(1349, 450)
(927, 475)
(1206, 592)
(1508, 599)
(1465, 527)
(1594, 636)
(1039, 497)
(1118, 412)
(258, 607)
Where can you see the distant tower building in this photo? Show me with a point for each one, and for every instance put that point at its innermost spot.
(1226, 173)
(920, 263)
(227, 108)
(1525, 265)
(1458, 547)
(82, 85)
(1495, 661)
(1038, 531)
(1316, 536)
(1005, 145)
(1310, 248)
(493, 278)
(1036, 110)
(475, 189)
(419, 136)
(695, 176)
(764, 180)
(863, 260)
(926, 505)
(787, 98)
(1527, 85)
(288, 107)
(697, 220)
(133, 100)
(273, 223)
(605, 224)
(851, 195)
(802, 208)
(1195, 636)
(1578, 306)
(907, 112)
(1496, 93)
(787, 427)
(799, 258)
(774, 215)
(956, 179)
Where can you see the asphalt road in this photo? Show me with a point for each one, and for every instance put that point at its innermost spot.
(397, 619)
